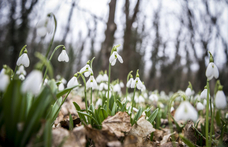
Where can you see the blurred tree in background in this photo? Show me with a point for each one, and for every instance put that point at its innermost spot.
(167, 40)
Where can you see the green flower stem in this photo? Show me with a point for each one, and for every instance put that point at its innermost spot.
(212, 124)
(45, 73)
(133, 101)
(109, 75)
(91, 97)
(207, 115)
(49, 47)
(83, 78)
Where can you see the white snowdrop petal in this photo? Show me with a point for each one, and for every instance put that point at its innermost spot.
(61, 87)
(83, 69)
(112, 58)
(209, 70)
(22, 77)
(215, 71)
(99, 78)
(203, 94)
(42, 31)
(4, 82)
(99, 102)
(23, 60)
(133, 83)
(113, 62)
(87, 74)
(120, 58)
(188, 91)
(200, 106)
(105, 77)
(220, 100)
(32, 83)
(41, 22)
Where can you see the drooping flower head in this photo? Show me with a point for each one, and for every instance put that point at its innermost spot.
(137, 82)
(63, 57)
(186, 112)
(200, 106)
(4, 79)
(32, 83)
(212, 70)
(23, 59)
(73, 81)
(189, 91)
(60, 86)
(220, 98)
(44, 26)
(21, 70)
(91, 83)
(86, 70)
(114, 56)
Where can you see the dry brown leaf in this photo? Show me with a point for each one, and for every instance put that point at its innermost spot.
(130, 141)
(158, 135)
(142, 130)
(114, 144)
(166, 138)
(189, 132)
(76, 138)
(117, 124)
(169, 144)
(100, 137)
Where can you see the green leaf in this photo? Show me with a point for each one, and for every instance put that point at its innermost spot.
(71, 125)
(153, 115)
(82, 117)
(186, 141)
(61, 93)
(138, 114)
(179, 128)
(114, 109)
(217, 118)
(47, 134)
(86, 114)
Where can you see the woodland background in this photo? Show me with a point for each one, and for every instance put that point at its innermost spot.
(167, 40)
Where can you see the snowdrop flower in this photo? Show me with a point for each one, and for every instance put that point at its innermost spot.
(171, 109)
(103, 86)
(99, 102)
(21, 70)
(45, 81)
(188, 92)
(105, 77)
(44, 26)
(73, 82)
(91, 83)
(185, 112)
(141, 99)
(143, 87)
(129, 82)
(99, 78)
(126, 99)
(203, 94)
(110, 94)
(153, 97)
(63, 57)
(4, 80)
(86, 70)
(121, 84)
(113, 58)
(23, 60)
(161, 105)
(117, 88)
(61, 87)
(137, 82)
(2, 71)
(212, 70)
(220, 99)
(32, 83)
(227, 115)
(200, 106)
(21, 77)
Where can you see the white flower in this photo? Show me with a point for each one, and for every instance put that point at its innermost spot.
(126, 99)
(63, 56)
(153, 97)
(113, 58)
(61, 86)
(23, 60)
(103, 86)
(185, 112)
(171, 109)
(121, 84)
(105, 77)
(188, 92)
(203, 94)
(44, 26)
(21, 77)
(73, 82)
(141, 99)
(117, 88)
(110, 93)
(129, 82)
(99, 102)
(212, 71)
(87, 70)
(91, 83)
(45, 81)
(220, 100)
(32, 83)
(21, 70)
(99, 78)
(200, 106)
(143, 87)
(2, 71)
(137, 82)
(4, 81)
